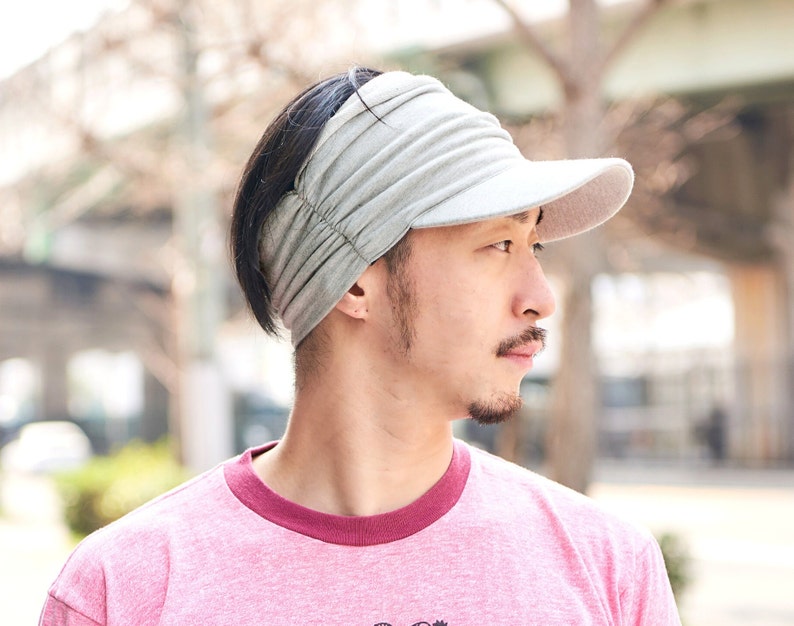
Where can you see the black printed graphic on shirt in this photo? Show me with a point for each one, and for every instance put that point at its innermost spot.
(438, 622)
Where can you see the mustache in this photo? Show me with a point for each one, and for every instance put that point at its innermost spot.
(533, 334)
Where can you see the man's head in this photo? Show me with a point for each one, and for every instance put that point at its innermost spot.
(359, 161)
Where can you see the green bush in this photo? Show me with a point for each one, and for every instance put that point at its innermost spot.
(677, 560)
(110, 486)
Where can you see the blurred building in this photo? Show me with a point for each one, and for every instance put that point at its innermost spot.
(92, 166)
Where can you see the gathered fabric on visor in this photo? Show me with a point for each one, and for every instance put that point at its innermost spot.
(404, 153)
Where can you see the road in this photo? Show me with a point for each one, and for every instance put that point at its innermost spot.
(33, 546)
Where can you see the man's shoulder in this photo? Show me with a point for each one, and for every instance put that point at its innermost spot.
(574, 538)
(134, 552)
(526, 493)
(147, 530)
(193, 495)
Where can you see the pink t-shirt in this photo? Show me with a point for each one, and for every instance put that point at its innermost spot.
(490, 543)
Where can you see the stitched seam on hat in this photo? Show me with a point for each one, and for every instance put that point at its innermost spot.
(323, 219)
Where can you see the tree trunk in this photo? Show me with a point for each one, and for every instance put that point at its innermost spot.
(575, 403)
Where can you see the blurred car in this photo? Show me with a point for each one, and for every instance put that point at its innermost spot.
(258, 419)
(43, 447)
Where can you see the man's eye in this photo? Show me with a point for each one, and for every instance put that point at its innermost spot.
(504, 246)
(537, 247)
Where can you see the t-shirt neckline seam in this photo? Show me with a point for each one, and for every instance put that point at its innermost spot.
(402, 523)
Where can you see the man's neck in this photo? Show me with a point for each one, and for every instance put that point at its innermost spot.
(353, 447)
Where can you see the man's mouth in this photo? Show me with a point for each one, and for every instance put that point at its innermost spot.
(524, 346)
(526, 352)
(523, 357)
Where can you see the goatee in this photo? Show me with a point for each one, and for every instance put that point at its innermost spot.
(495, 411)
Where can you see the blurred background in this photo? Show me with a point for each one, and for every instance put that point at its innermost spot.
(667, 390)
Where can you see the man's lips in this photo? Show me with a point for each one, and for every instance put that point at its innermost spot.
(525, 345)
(525, 352)
(523, 355)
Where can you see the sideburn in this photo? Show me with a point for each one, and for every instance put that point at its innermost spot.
(400, 291)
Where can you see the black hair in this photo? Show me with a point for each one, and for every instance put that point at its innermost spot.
(270, 173)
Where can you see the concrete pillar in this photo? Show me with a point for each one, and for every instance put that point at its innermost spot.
(206, 426)
(781, 234)
(759, 425)
(53, 359)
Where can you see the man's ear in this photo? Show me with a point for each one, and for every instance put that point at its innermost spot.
(354, 303)
(357, 299)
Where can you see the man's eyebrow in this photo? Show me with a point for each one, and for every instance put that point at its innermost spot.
(523, 217)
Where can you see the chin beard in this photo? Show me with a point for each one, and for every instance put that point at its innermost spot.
(495, 411)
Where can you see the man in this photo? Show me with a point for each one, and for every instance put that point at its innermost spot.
(392, 229)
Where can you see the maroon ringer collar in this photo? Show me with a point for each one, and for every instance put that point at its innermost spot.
(343, 530)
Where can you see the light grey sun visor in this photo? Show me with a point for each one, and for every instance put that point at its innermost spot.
(403, 153)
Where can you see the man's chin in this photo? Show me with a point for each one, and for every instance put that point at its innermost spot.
(495, 410)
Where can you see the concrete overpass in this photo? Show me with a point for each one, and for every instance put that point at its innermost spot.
(49, 314)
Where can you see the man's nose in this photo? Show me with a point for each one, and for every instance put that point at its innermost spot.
(535, 298)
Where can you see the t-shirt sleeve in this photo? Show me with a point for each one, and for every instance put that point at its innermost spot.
(57, 613)
(77, 596)
(650, 598)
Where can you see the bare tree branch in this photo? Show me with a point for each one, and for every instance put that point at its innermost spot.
(638, 21)
(529, 37)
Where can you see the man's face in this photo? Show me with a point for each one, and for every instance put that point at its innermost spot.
(465, 304)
